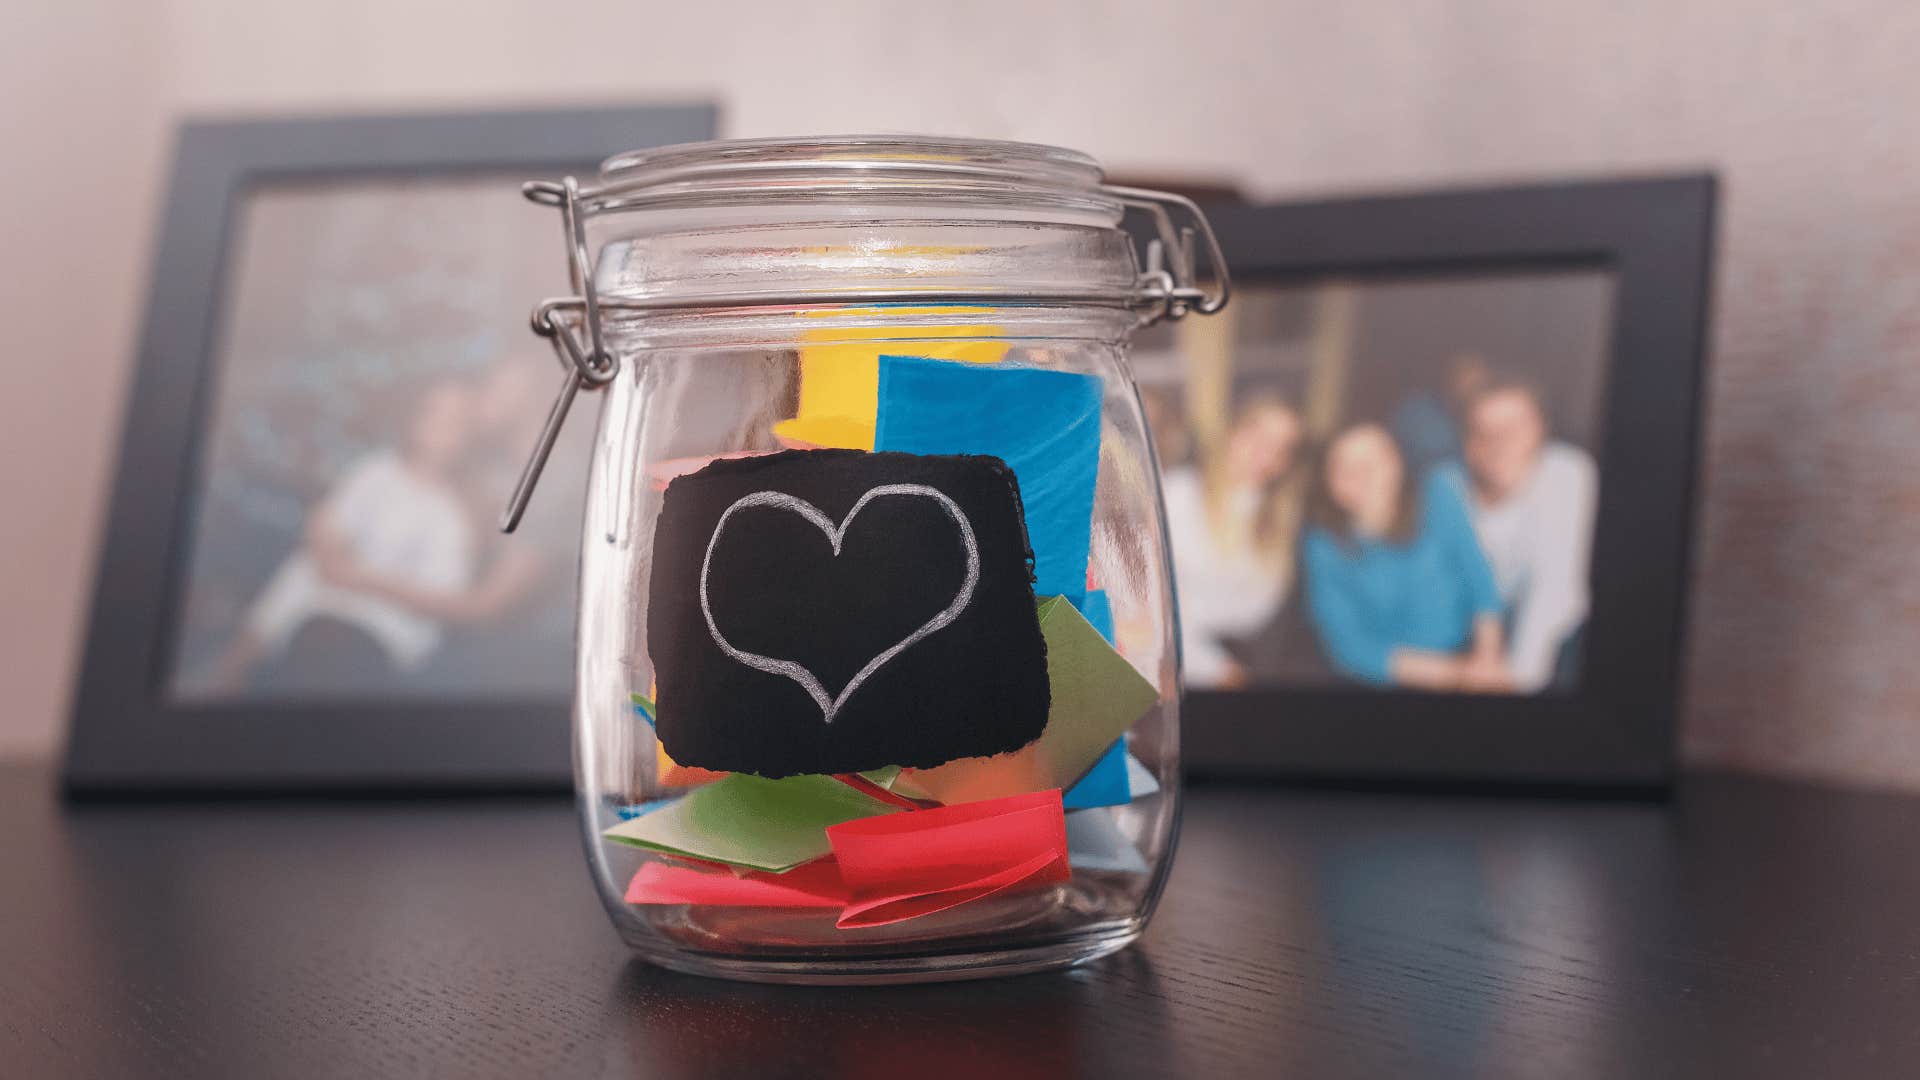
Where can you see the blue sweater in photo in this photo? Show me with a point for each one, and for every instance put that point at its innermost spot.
(1368, 597)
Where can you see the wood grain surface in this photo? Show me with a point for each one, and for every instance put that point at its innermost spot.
(1749, 928)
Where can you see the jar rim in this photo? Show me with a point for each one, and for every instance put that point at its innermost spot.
(884, 169)
(932, 157)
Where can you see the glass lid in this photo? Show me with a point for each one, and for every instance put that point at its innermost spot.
(855, 165)
(764, 228)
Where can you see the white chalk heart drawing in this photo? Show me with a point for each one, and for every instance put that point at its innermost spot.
(830, 706)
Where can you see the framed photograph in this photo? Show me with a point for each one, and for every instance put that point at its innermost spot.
(302, 585)
(1430, 484)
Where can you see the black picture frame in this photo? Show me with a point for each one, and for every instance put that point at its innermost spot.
(1655, 236)
(125, 736)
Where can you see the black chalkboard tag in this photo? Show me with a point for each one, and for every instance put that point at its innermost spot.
(831, 611)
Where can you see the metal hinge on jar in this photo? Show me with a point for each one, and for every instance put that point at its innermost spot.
(1167, 287)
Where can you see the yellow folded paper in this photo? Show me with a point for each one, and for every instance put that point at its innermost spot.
(840, 372)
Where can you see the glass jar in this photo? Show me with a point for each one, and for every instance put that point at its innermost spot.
(877, 676)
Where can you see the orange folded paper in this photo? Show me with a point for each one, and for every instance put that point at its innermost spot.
(904, 866)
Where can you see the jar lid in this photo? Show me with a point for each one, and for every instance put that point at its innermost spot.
(1004, 179)
(875, 178)
(879, 184)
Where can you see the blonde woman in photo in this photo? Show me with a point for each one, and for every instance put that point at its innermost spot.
(1233, 521)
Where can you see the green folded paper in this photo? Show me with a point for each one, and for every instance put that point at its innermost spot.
(885, 776)
(749, 821)
(1097, 696)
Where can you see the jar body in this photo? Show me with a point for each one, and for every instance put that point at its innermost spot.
(699, 401)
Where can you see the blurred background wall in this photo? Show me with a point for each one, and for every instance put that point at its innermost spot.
(1806, 612)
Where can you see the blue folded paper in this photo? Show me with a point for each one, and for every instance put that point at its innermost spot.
(1097, 609)
(1044, 424)
(1105, 784)
(641, 809)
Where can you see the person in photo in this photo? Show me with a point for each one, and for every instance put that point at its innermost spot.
(1233, 523)
(1532, 499)
(1398, 589)
(1427, 423)
(394, 519)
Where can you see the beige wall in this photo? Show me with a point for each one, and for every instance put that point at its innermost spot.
(1808, 600)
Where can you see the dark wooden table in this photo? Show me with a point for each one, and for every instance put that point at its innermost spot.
(1746, 929)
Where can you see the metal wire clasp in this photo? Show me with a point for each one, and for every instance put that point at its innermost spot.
(1167, 287)
(586, 365)
(1168, 274)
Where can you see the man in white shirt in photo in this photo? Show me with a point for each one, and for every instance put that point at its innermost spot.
(1532, 500)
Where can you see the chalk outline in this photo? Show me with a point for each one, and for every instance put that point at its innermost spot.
(780, 500)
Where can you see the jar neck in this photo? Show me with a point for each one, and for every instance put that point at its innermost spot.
(875, 254)
(897, 324)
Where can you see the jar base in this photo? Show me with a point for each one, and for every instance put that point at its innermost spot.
(895, 970)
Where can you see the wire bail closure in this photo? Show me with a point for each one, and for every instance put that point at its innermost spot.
(1167, 287)
(586, 365)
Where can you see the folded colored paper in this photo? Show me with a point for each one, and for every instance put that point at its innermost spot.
(1105, 784)
(641, 809)
(1044, 424)
(817, 884)
(675, 775)
(1094, 842)
(879, 784)
(840, 372)
(1118, 777)
(909, 865)
(1097, 695)
(751, 822)
(1140, 782)
(1097, 606)
(883, 776)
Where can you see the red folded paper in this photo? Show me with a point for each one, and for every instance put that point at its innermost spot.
(904, 866)
(894, 867)
(815, 884)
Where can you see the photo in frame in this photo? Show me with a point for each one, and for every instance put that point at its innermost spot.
(303, 585)
(1429, 483)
